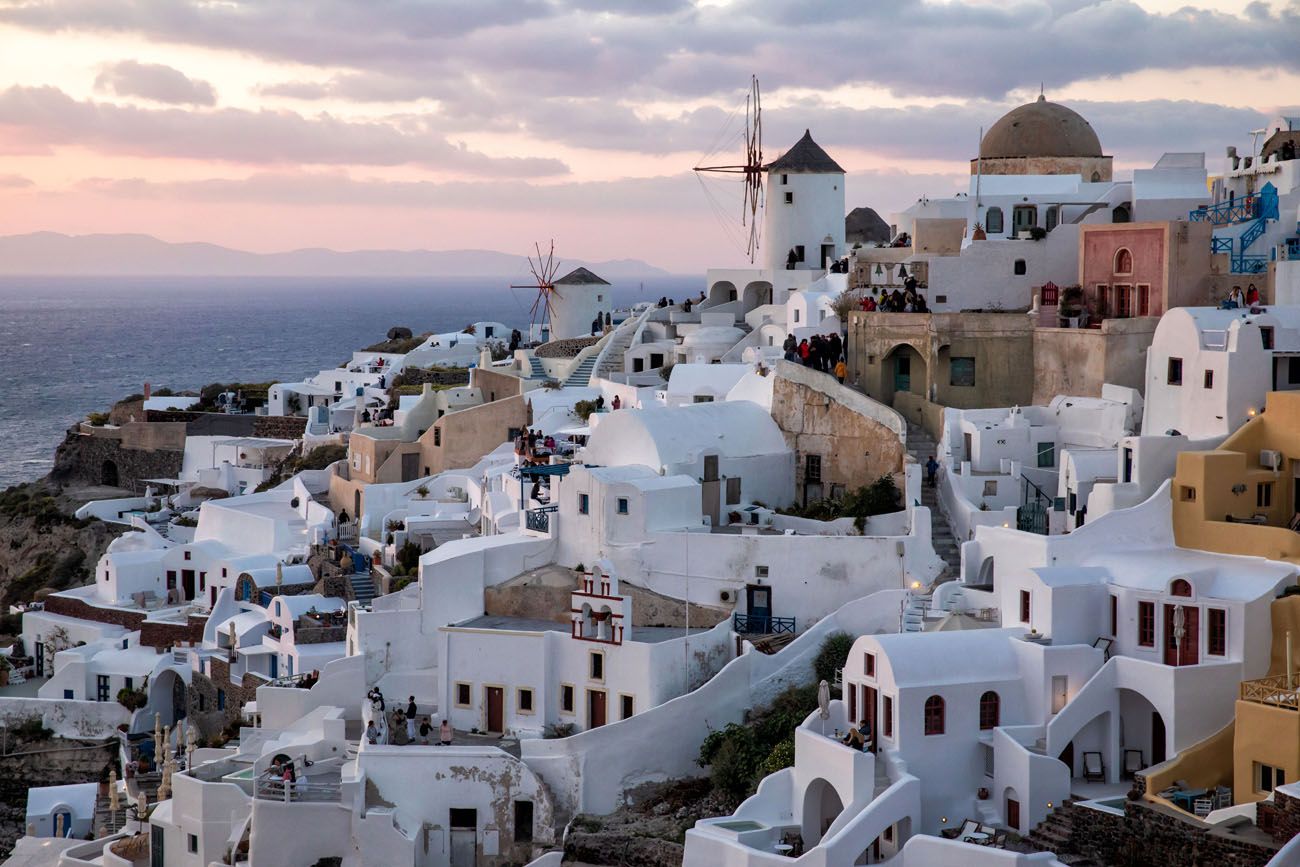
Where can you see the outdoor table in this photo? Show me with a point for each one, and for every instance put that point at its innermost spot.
(978, 837)
(1187, 797)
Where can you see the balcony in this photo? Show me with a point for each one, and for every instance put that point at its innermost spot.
(1279, 691)
(758, 624)
(539, 520)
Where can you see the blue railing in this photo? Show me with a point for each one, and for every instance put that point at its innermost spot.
(755, 624)
(1220, 245)
(1226, 213)
(1293, 248)
(539, 520)
(1250, 265)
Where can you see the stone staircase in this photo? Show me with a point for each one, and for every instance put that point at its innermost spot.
(619, 343)
(1055, 833)
(580, 376)
(363, 587)
(920, 445)
(537, 371)
(914, 611)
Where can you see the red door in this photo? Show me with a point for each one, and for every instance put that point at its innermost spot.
(595, 708)
(1184, 649)
(869, 711)
(495, 709)
(1013, 813)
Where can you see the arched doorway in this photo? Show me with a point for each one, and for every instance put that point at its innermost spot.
(720, 293)
(904, 370)
(1142, 727)
(756, 294)
(821, 806)
(1011, 809)
(108, 474)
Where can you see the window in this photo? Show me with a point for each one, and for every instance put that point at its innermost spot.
(523, 821)
(785, 179)
(1146, 624)
(1019, 268)
(524, 700)
(1053, 215)
(1175, 375)
(934, 715)
(566, 698)
(993, 221)
(1103, 300)
(584, 504)
(101, 686)
(1024, 606)
(1264, 495)
(789, 198)
(221, 699)
(961, 371)
(463, 817)
(1216, 641)
(869, 664)
(1268, 777)
(812, 468)
(1114, 615)
(760, 571)
(187, 555)
(628, 706)
(1180, 587)
(1123, 300)
(622, 505)
(1292, 371)
(437, 436)
(1144, 299)
(462, 695)
(989, 710)
(887, 711)
(1046, 455)
(193, 841)
(1266, 336)
(1209, 379)
(990, 488)
(597, 666)
(796, 315)
(798, 252)
(702, 398)
(128, 683)
(1123, 261)
(203, 702)
(1187, 493)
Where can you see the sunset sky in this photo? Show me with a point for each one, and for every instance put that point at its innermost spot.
(490, 123)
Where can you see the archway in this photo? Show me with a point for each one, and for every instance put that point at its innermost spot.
(986, 574)
(821, 806)
(108, 474)
(1142, 727)
(903, 370)
(756, 294)
(168, 697)
(720, 293)
(1011, 809)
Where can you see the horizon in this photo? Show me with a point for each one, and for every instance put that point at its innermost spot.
(445, 129)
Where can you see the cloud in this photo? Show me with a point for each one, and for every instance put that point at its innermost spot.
(15, 182)
(46, 116)
(156, 82)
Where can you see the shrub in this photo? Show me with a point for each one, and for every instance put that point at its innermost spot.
(584, 408)
(98, 419)
(132, 699)
(31, 729)
(408, 556)
(832, 656)
(185, 521)
(878, 498)
(321, 457)
(422, 491)
(781, 757)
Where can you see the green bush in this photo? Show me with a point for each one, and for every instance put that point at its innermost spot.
(781, 757)
(584, 408)
(97, 419)
(132, 699)
(408, 557)
(321, 457)
(832, 656)
(878, 498)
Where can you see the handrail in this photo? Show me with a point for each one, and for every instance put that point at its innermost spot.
(278, 790)
(1278, 690)
(754, 624)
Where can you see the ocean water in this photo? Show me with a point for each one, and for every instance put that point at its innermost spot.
(69, 346)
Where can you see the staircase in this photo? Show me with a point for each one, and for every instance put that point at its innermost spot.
(920, 445)
(1054, 834)
(580, 376)
(914, 611)
(109, 821)
(363, 587)
(619, 343)
(536, 368)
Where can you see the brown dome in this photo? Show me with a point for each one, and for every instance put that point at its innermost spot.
(1041, 129)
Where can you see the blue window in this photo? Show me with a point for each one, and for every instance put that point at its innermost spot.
(277, 608)
(622, 505)
(67, 693)
(221, 699)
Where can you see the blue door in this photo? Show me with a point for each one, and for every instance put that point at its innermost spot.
(902, 373)
(275, 667)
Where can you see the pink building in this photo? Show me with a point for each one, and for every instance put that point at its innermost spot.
(1142, 269)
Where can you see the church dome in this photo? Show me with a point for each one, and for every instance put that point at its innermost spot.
(1040, 129)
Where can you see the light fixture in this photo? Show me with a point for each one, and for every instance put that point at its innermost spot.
(902, 270)
(1251, 412)
(943, 819)
(916, 585)
(1049, 805)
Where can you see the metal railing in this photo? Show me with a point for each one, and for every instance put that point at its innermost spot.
(1226, 213)
(300, 791)
(756, 624)
(1277, 691)
(539, 520)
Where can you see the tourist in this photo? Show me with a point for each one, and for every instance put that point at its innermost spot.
(600, 403)
(425, 728)
(686, 306)
(288, 779)
(595, 324)
(410, 728)
(841, 370)
(397, 733)
(617, 403)
(921, 306)
(444, 733)
(791, 259)
(1252, 295)
(869, 304)
(931, 468)
(411, 709)
(803, 352)
(372, 733)
(549, 442)
(1235, 298)
(859, 737)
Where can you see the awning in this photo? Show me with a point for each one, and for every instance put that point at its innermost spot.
(259, 650)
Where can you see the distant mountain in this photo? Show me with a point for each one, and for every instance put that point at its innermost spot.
(51, 253)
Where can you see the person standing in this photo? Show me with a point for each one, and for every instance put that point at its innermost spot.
(931, 470)
(841, 370)
(444, 733)
(426, 728)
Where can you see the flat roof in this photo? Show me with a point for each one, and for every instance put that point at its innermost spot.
(643, 634)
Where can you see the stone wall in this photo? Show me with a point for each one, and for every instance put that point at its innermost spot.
(211, 720)
(283, 427)
(90, 459)
(156, 634)
(567, 348)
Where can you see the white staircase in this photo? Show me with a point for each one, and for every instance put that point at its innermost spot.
(914, 611)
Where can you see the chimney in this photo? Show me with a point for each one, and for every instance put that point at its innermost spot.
(147, 391)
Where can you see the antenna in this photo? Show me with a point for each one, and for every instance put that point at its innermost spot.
(751, 169)
(543, 271)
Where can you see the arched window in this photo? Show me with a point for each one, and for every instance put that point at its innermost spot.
(1096, 177)
(1119, 215)
(1180, 588)
(934, 715)
(990, 710)
(993, 221)
(1123, 261)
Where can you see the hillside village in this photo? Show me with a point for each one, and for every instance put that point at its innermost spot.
(965, 543)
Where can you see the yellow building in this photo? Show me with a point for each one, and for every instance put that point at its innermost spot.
(1243, 497)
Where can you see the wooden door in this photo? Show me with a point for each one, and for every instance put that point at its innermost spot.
(869, 702)
(187, 583)
(1013, 813)
(902, 373)
(410, 467)
(595, 708)
(495, 709)
(1184, 650)
(464, 847)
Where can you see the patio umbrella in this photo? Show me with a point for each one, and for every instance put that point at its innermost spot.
(112, 791)
(824, 703)
(1180, 629)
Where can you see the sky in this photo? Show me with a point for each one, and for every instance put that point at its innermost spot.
(270, 125)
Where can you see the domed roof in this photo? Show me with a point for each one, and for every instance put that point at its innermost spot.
(1041, 129)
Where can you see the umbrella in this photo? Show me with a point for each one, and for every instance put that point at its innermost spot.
(279, 575)
(112, 791)
(824, 703)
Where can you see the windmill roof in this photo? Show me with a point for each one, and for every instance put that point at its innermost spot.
(805, 156)
(581, 276)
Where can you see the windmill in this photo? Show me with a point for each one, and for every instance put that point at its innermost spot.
(543, 270)
(751, 169)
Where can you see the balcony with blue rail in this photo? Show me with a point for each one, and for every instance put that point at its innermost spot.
(1254, 212)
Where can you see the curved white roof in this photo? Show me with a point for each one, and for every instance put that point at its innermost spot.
(690, 378)
(665, 436)
(80, 797)
(711, 334)
(753, 388)
(936, 658)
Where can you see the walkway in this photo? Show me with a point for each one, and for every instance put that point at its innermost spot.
(920, 445)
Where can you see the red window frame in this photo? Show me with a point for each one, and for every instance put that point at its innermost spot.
(1146, 624)
(1216, 632)
(887, 711)
(1024, 606)
(990, 710)
(869, 664)
(934, 715)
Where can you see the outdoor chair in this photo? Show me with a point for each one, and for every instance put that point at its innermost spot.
(1202, 807)
(1094, 769)
(1132, 762)
(1222, 797)
(968, 827)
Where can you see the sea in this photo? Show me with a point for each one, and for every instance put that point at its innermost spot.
(74, 345)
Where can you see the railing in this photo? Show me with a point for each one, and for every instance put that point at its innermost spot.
(278, 790)
(755, 624)
(1220, 245)
(1250, 264)
(539, 520)
(1292, 248)
(1278, 691)
(1226, 213)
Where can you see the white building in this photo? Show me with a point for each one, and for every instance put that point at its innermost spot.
(577, 302)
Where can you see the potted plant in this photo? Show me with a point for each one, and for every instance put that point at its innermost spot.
(982, 794)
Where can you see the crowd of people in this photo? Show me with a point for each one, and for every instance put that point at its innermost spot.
(406, 726)
(820, 352)
(905, 300)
